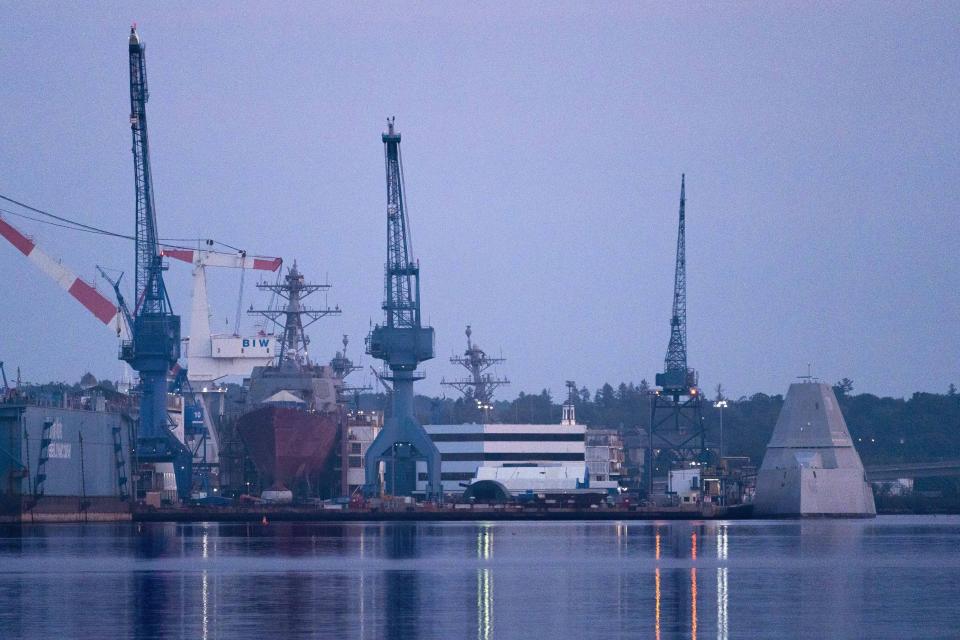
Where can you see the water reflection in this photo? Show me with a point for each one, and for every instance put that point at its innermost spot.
(484, 604)
(722, 625)
(656, 583)
(693, 603)
(722, 597)
(562, 580)
(484, 583)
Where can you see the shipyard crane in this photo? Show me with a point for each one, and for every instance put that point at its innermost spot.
(479, 387)
(213, 356)
(402, 342)
(154, 346)
(676, 415)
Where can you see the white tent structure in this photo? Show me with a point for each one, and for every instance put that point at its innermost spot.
(811, 467)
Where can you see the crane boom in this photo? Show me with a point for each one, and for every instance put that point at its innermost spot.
(676, 359)
(155, 345)
(676, 375)
(150, 293)
(239, 260)
(82, 291)
(211, 357)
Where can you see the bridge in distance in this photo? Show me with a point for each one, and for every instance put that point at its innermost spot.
(890, 472)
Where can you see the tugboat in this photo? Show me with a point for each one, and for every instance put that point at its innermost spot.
(293, 417)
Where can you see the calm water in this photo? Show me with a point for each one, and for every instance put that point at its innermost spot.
(892, 577)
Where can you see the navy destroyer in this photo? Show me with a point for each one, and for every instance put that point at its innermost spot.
(293, 416)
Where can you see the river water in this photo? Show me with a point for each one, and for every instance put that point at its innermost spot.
(893, 577)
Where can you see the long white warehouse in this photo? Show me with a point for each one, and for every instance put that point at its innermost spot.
(465, 447)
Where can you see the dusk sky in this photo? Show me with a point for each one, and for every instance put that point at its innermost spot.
(543, 145)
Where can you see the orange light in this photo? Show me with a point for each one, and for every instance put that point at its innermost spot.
(693, 392)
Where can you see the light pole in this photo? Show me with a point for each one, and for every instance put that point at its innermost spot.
(721, 404)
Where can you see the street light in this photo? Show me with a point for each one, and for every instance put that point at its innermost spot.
(721, 404)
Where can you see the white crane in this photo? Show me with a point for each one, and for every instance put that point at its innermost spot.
(214, 356)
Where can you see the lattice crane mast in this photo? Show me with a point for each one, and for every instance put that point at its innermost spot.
(676, 420)
(155, 344)
(402, 342)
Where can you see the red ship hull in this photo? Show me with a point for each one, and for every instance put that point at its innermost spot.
(289, 445)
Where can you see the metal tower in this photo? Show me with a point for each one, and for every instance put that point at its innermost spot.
(676, 422)
(293, 340)
(479, 387)
(155, 344)
(402, 343)
(342, 367)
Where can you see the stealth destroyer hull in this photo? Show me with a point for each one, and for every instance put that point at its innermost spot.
(811, 468)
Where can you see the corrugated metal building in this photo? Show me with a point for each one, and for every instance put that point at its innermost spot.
(53, 451)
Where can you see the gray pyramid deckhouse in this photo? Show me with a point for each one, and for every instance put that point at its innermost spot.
(811, 467)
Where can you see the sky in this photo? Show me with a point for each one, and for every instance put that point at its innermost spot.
(543, 145)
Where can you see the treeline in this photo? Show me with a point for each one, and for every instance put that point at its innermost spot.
(923, 427)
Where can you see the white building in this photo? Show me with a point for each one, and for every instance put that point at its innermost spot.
(685, 483)
(466, 447)
(604, 451)
(362, 430)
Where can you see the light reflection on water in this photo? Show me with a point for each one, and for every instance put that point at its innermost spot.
(889, 577)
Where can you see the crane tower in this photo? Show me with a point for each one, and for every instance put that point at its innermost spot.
(402, 342)
(154, 346)
(676, 418)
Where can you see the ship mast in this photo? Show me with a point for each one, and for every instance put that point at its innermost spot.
(294, 340)
(479, 387)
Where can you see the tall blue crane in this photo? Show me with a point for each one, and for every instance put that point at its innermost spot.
(402, 343)
(154, 346)
(676, 416)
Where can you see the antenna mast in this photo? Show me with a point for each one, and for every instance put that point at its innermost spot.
(479, 387)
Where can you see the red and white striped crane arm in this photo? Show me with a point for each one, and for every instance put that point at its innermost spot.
(219, 259)
(104, 309)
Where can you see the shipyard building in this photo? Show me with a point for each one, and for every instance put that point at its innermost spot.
(468, 451)
(62, 461)
(464, 448)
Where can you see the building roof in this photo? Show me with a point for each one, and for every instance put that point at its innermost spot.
(536, 478)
